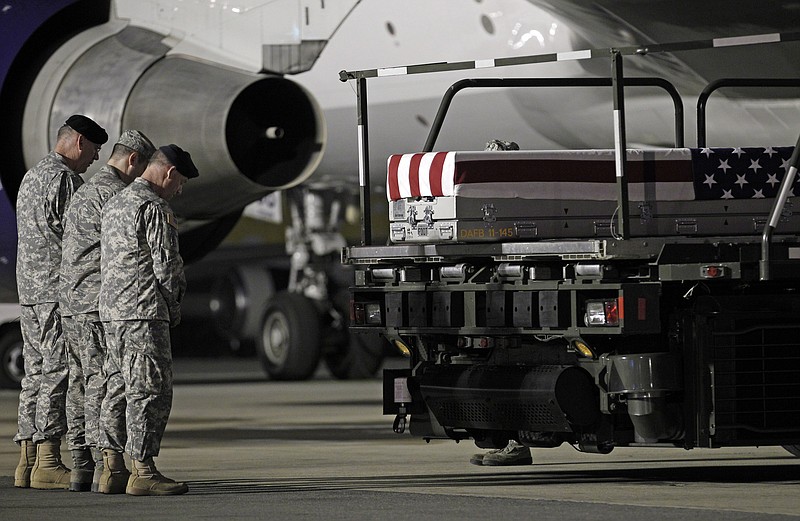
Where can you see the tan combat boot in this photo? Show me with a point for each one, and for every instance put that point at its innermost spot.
(27, 458)
(48, 472)
(97, 455)
(115, 474)
(80, 479)
(146, 480)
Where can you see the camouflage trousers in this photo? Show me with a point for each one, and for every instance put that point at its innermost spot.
(42, 400)
(143, 352)
(86, 352)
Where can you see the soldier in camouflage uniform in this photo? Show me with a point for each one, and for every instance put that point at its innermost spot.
(42, 200)
(78, 299)
(140, 295)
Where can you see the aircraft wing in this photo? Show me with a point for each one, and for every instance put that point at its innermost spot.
(607, 23)
(281, 36)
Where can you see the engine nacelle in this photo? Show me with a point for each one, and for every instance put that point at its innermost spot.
(249, 134)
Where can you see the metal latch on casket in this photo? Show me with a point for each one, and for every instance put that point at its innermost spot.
(427, 219)
(489, 213)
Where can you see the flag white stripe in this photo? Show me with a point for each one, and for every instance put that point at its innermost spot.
(425, 173)
(448, 173)
(402, 175)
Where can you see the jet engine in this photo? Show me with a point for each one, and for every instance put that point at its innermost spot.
(249, 134)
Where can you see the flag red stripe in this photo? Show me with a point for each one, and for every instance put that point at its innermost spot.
(436, 173)
(392, 185)
(414, 173)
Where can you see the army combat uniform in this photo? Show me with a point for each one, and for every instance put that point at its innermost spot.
(85, 337)
(142, 287)
(43, 197)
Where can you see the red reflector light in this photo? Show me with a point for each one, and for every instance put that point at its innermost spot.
(612, 312)
(712, 272)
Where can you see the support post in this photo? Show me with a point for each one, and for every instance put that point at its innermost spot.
(363, 163)
(620, 146)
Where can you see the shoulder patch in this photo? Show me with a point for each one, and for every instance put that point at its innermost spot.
(171, 220)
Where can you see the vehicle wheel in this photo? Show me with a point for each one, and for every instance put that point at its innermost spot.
(794, 449)
(359, 358)
(351, 356)
(12, 368)
(289, 344)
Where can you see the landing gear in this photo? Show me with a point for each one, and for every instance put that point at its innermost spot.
(308, 321)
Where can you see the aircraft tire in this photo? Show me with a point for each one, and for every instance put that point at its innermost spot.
(11, 365)
(289, 343)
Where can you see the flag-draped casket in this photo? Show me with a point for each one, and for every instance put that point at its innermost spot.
(513, 195)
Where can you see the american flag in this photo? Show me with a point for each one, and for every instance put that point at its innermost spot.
(680, 174)
(740, 173)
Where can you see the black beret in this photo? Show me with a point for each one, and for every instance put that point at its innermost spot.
(90, 130)
(181, 160)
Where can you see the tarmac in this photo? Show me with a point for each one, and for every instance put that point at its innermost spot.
(250, 448)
